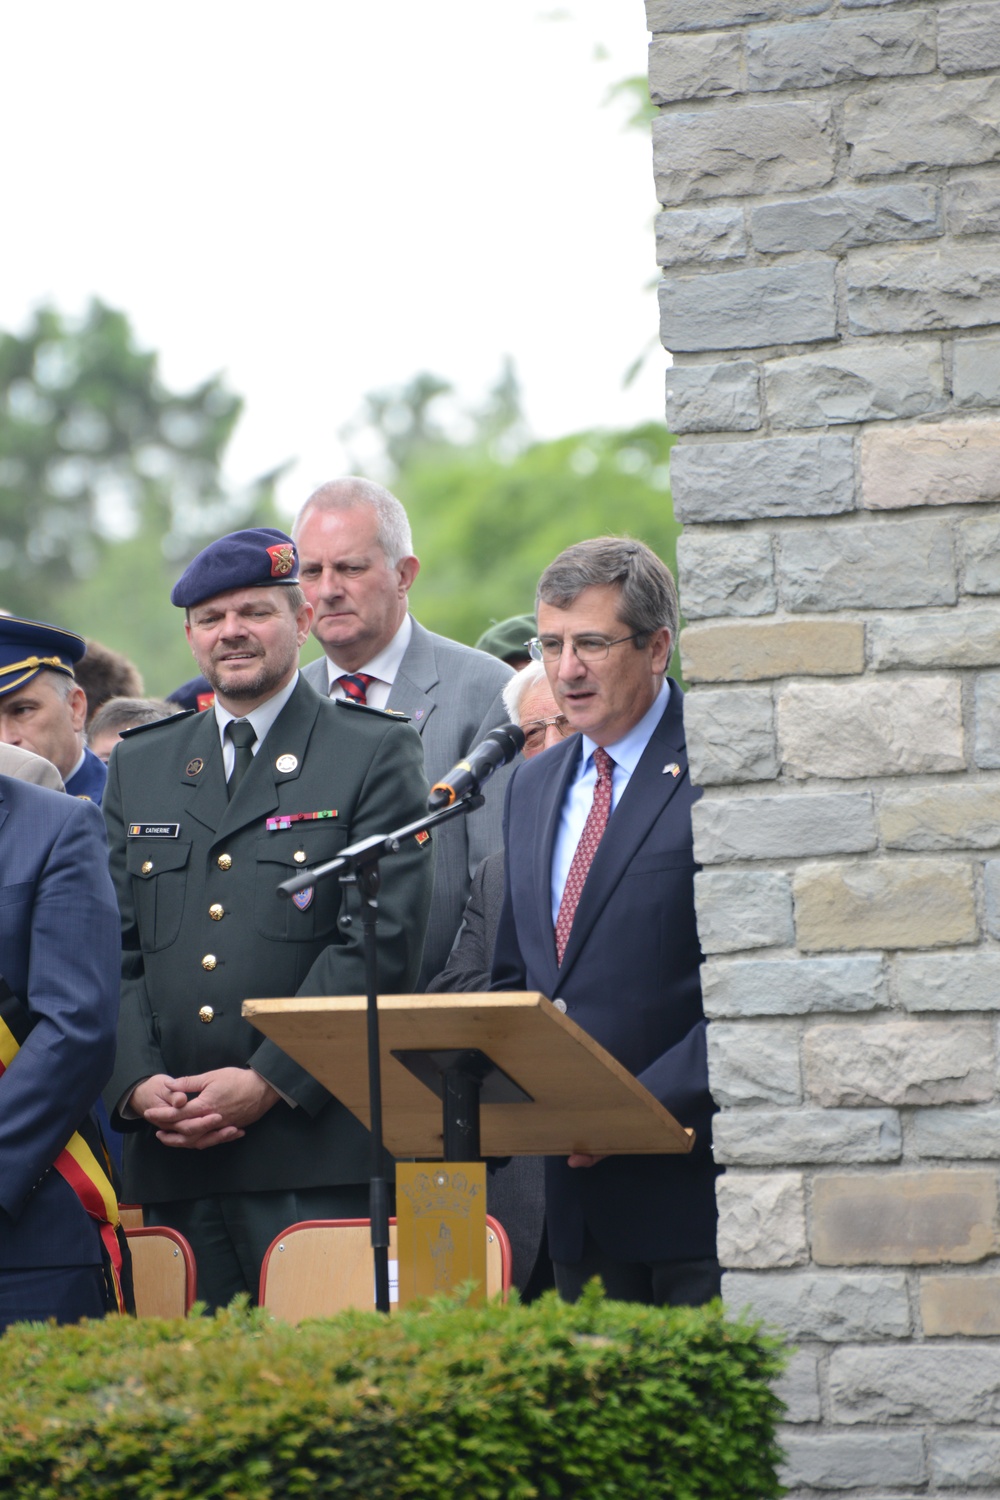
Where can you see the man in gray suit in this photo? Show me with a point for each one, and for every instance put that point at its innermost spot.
(356, 567)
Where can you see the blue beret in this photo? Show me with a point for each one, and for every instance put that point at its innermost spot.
(249, 559)
(27, 647)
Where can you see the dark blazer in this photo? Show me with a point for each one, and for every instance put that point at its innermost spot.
(89, 781)
(452, 695)
(515, 1189)
(629, 977)
(60, 954)
(203, 927)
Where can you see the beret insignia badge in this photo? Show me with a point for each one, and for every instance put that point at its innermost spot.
(282, 557)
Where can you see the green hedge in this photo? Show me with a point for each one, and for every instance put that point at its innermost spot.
(601, 1401)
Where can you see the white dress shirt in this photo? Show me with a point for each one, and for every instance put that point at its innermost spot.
(383, 668)
(261, 718)
(626, 754)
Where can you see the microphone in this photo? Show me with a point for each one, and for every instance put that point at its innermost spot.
(465, 779)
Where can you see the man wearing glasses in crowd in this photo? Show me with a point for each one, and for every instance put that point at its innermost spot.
(598, 912)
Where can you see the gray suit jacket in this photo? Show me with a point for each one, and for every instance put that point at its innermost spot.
(452, 696)
(26, 766)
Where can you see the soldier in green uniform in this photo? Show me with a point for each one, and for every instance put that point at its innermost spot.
(228, 1140)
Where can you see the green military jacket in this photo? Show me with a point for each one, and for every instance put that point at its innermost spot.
(203, 927)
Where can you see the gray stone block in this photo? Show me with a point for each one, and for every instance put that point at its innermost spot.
(991, 892)
(772, 1138)
(912, 126)
(762, 1220)
(699, 236)
(700, 15)
(730, 736)
(743, 909)
(907, 291)
(899, 1062)
(798, 1388)
(856, 384)
(966, 1458)
(968, 37)
(987, 718)
(756, 1064)
(755, 148)
(964, 638)
(874, 727)
(916, 1383)
(827, 567)
(791, 476)
(796, 986)
(792, 825)
(972, 204)
(948, 981)
(979, 548)
(853, 1460)
(845, 220)
(827, 1305)
(815, 54)
(954, 1134)
(725, 575)
(939, 816)
(976, 376)
(714, 398)
(748, 309)
(694, 67)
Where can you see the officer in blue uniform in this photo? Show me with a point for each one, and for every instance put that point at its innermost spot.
(42, 707)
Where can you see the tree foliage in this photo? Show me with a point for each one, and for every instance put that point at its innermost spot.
(106, 476)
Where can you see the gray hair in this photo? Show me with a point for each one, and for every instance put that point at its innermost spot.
(63, 682)
(125, 713)
(516, 689)
(648, 599)
(392, 524)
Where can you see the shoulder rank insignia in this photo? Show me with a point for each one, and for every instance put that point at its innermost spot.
(184, 713)
(369, 708)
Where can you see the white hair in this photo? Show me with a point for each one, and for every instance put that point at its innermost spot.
(392, 524)
(517, 687)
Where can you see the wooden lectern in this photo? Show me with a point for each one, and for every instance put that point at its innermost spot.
(543, 1086)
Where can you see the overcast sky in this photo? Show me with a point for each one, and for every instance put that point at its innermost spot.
(323, 197)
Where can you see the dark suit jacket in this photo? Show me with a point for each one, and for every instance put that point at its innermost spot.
(89, 781)
(629, 977)
(452, 695)
(178, 958)
(515, 1189)
(59, 952)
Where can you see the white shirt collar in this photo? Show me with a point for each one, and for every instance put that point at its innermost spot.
(627, 752)
(384, 664)
(262, 717)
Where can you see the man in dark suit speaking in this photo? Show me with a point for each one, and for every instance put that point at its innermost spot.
(599, 913)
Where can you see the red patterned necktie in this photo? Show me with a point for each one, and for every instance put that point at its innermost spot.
(597, 821)
(355, 685)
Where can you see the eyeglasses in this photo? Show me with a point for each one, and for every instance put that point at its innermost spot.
(584, 647)
(534, 730)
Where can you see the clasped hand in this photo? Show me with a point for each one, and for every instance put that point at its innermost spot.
(205, 1109)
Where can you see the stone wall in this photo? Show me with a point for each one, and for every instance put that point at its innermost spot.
(830, 237)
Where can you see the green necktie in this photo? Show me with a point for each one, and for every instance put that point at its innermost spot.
(242, 734)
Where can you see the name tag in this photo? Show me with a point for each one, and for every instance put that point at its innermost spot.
(153, 830)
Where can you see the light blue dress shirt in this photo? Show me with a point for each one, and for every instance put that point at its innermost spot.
(626, 754)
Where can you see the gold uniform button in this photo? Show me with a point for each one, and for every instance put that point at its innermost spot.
(206, 1014)
(216, 912)
(225, 861)
(209, 961)
(147, 865)
(299, 856)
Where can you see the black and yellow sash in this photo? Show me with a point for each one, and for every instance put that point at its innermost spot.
(83, 1162)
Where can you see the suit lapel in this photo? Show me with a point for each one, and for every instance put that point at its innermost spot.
(560, 765)
(201, 770)
(418, 673)
(648, 792)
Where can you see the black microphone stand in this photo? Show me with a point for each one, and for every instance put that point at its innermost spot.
(358, 865)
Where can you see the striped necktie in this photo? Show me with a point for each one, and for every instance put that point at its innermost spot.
(355, 685)
(597, 821)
